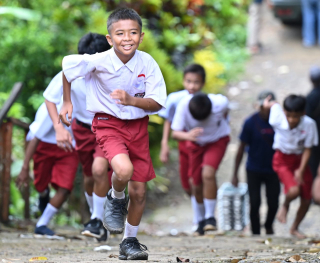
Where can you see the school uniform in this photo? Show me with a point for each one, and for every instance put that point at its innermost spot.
(52, 165)
(86, 145)
(168, 114)
(289, 145)
(212, 143)
(118, 128)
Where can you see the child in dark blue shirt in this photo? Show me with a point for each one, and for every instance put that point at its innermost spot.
(257, 137)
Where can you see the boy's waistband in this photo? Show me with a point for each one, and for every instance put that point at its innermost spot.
(289, 155)
(105, 116)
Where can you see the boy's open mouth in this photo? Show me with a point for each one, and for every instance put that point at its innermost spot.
(127, 47)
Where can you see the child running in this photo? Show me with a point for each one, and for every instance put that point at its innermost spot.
(295, 135)
(51, 165)
(194, 77)
(201, 120)
(124, 85)
(95, 165)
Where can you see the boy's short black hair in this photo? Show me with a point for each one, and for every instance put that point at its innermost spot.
(200, 106)
(196, 68)
(315, 76)
(123, 14)
(295, 103)
(92, 43)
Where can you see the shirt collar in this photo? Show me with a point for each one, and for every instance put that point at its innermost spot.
(118, 64)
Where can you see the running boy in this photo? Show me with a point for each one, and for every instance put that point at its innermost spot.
(257, 134)
(52, 165)
(95, 165)
(124, 85)
(295, 135)
(201, 120)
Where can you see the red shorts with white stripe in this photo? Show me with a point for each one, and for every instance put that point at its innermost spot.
(116, 136)
(54, 166)
(285, 165)
(210, 154)
(184, 165)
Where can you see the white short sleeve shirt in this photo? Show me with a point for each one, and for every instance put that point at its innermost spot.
(216, 126)
(104, 72)
(292, 141)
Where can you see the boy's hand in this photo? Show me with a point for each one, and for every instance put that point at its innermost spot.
(194, 134)
(235, 181)
(23, 177)
(298, 176)
(267, 104)
(64, 139)
(66, 108)
(121, 97)
(164, 153)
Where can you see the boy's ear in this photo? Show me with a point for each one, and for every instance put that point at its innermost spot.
(109, 39)
(141, 37)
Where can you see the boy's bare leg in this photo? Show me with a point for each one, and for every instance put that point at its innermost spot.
(60, 197)
(292, 194)
(100, 176)
(209, 182)
(316, 188)
(301, 213)
(137, 194)
(88, 184)
(123, 170)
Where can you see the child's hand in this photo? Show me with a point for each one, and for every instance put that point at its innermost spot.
(194, 134)
(164, 153)
(121, 97)
(298, 176)
(235, 181)
(23, 177)
(64, 139)
(267, 104)
(66, 109)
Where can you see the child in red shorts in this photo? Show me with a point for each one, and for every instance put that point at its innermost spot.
(52, 166)
(201, 120)
(194, 77)
(95, 165)
(124, 85)
(295, 135)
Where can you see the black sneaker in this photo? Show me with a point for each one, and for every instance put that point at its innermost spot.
(210, 224)
(44, 199)
(104, 237)
(44, 231)
(93, 228)
(131, 249)
(114, 214)
(200, 230)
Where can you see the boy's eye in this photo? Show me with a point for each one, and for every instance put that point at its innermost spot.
(134, 33)
(119, 34)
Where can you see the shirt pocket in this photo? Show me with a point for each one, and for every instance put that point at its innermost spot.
(139, 88)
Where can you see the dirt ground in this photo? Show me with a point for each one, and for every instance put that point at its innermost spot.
(282, 67)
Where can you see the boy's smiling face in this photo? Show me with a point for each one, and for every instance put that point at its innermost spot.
(193, 82)
(125, 37)
(293, 118)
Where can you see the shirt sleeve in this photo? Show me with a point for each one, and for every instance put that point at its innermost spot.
(54, 91)
(246, 133)
(312, 136)
(155, 85)
(76, 66)
(179, 119)
(277, 119)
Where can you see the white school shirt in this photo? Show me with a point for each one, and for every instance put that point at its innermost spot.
(104, 72)
(292, 141)
(54, 91)
(42, 126)
(216, 126)
(171, 104)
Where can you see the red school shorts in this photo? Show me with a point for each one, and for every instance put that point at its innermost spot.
(116, 136)
(285, 165)
(54, 165)
(184, 165)
(210, 154)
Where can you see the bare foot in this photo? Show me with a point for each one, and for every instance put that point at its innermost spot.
(282, 214)
(297, 233)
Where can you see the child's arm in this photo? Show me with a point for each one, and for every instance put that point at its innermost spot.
(235, 178)
(67, 104)
(191, 135)
(165, 150)
(298, 174)
(63, 137)
(23, 177)
(123, 98)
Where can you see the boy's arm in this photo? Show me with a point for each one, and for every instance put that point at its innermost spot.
(298, 174)
(23, 177)
(235, 178)
(63, 137)
(165, 150)
(191, 135)
(67, 104)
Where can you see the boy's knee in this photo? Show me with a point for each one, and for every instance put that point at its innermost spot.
(138, 195)
(99, 173)
(208, 174)
(124, 173)
(294, 191)
(64, 192)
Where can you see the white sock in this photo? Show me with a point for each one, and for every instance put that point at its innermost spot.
(198, 210)
(48, 213)
(193, 205)
(97, 206)
(209, 205)
(118, 195)
(89, 199)
(130, 231)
